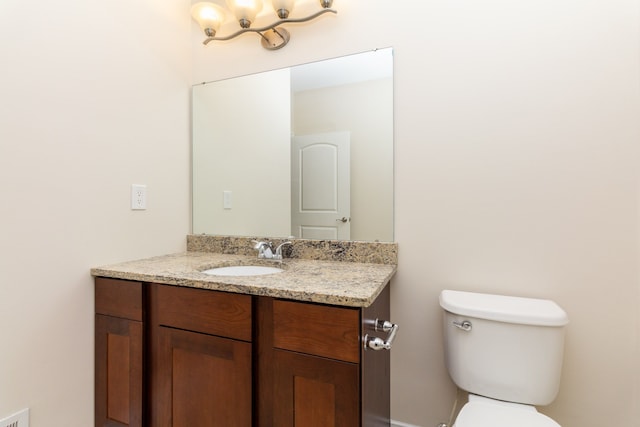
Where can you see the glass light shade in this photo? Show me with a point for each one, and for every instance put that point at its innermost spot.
(245, 10)
(280, 5)
(209, 15)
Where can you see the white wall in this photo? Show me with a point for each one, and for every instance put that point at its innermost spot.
(94, 96)
(516, 130)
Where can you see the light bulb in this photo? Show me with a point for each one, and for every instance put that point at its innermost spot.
(245, 10)
(209, 16)
(283, 7)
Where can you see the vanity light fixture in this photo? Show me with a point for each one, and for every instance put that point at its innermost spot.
(210, 16)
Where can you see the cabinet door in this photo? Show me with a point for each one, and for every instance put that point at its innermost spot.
(311, 391)
(202, 380)
(118, 382)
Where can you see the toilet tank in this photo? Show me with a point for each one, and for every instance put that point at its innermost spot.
(503, 347)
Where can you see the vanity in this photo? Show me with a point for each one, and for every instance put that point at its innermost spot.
(304, 347)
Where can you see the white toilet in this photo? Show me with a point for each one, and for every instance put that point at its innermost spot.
(507, 353)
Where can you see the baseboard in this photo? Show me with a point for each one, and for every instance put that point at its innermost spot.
(399, 424)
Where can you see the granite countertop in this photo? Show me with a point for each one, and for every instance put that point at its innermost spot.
(351, 284)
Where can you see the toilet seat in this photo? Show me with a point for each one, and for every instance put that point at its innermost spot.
(485, 412)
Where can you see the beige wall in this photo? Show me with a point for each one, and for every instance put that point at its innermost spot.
(516, 171)
(516, 128)
(94, 96)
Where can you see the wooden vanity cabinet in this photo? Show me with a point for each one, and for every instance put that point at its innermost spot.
(315, 357)
(119, 340)
(313, 370)
(223, 359)
(201, 363)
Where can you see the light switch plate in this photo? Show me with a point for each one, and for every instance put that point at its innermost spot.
(227, 202)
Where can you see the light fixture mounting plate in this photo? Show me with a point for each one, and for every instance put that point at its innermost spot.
(275, 38)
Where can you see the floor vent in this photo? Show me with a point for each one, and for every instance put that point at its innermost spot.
(19, 419)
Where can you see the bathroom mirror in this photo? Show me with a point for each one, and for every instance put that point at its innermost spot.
(305, 151)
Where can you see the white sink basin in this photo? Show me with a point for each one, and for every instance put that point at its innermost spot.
(243, 270)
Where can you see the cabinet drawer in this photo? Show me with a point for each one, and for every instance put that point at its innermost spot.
(210, 312)
(319, 330)
(119, 298)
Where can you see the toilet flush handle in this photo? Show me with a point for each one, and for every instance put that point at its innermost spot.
(465, 325)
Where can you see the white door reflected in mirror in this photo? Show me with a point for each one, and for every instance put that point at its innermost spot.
(320, 186)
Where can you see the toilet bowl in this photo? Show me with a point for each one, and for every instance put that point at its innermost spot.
(484, 412)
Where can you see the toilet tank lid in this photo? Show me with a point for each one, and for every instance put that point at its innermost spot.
(501, 308)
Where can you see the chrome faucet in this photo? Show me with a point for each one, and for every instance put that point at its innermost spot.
(278, 254)
(265, 250)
